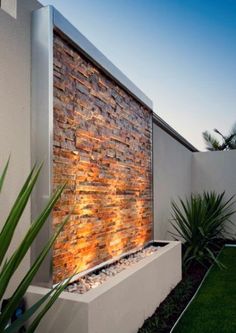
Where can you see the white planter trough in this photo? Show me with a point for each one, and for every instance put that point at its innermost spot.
(122, 303)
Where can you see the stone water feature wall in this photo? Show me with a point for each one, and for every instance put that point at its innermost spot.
(102, 148)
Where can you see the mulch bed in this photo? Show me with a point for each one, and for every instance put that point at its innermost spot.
(170, 309)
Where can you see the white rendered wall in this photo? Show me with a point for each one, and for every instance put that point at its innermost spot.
(15, 117)
(171, 178)
(177, 172)
(215, 171)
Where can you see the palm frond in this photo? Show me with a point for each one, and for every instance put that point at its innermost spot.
(211, 142)
(228, 141)
(233, 129)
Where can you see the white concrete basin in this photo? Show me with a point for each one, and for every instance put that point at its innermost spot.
(122, 303)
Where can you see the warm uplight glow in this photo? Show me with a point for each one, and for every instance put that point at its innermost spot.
(115, 244)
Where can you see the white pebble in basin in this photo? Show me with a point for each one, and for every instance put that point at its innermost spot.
(95, 279)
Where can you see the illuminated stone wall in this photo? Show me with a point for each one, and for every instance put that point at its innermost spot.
(103, 150)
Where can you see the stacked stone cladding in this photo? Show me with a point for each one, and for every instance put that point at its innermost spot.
(102, 149)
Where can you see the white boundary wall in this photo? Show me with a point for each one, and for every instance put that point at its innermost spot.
(177, 172)
(15, 107)
(215, 171)
(172, 164)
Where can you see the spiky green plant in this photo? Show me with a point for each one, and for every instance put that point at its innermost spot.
(8, 266)
(200, 221)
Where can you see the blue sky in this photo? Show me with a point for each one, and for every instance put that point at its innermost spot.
(181, 53)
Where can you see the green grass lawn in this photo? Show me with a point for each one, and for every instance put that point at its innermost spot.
(214, 308)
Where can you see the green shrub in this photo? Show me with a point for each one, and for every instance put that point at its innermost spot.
(200, 221)
(8, 266)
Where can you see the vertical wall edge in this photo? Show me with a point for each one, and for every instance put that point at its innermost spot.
(42, 126)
